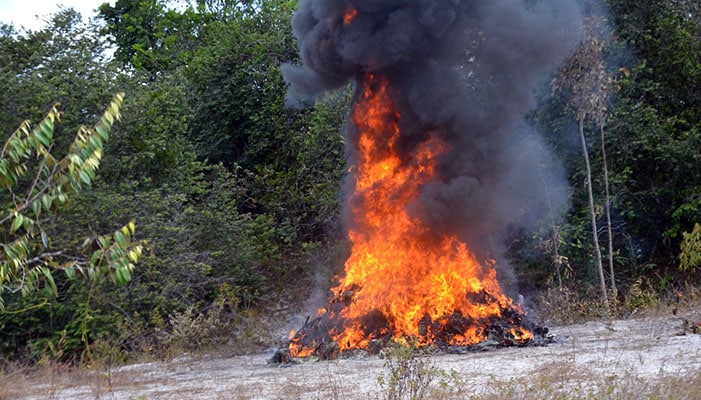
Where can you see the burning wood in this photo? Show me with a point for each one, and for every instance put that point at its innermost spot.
(446, 334)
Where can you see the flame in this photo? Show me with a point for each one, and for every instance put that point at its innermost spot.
(349, 15)
(403, 279)
(297, 349)
(521, 335)
(398, 265)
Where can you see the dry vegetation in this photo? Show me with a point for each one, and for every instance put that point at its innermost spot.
(652, 356)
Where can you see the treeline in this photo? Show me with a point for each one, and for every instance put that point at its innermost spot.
(237, 197)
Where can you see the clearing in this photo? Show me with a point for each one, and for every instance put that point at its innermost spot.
(627, 356)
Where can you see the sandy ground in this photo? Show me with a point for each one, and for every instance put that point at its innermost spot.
(646, 348)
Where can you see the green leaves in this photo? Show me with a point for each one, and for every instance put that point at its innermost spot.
(690, 255)
(28, 259)
(118, 253)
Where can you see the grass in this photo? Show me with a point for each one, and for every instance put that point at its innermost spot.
(412, 378)
(566, 306)
(557, 381)
(566, 373)
(563, 381)
(408, 376)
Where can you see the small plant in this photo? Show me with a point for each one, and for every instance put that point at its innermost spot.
(690, 256)
(642, 295)
(409, 373)
(563, 306)
(194, 330)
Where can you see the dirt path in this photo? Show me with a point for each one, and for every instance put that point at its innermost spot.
(644, 349)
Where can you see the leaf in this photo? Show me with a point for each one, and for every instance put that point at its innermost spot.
(123, 275)
(108, 120)
(102, 131)
(44, 239)
(96, 256)
(50, 279)
(44, 136)
(46, 202)
(120, 239)
(84, 177)
(17, 223)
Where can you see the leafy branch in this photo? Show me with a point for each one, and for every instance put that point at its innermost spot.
(27, 257)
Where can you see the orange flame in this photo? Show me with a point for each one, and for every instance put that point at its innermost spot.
(399, 267)
(404, 280)
(521, 335)
(349, 15)
(297, 349)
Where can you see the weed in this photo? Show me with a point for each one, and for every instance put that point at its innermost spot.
(410, 373)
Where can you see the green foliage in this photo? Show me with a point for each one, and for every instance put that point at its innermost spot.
(40, 68)
(149, 36)
(690, 256)
(290, 162)
(238, 89)
(664, 35)
(149, 148)
(28, 254)
(237, 194)
(657, 119)
(653, 133)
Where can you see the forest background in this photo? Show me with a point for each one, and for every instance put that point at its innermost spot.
(230, 202)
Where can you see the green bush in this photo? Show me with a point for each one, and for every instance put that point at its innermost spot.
(690, 256)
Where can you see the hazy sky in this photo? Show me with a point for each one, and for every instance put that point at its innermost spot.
(25, 12)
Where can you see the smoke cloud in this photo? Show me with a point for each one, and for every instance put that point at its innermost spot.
(463, 70)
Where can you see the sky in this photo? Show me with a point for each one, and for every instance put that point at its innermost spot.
(24, 12)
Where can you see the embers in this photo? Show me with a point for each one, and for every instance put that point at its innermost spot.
(453, 333)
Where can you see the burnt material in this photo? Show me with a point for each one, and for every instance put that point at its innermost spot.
(314, 339)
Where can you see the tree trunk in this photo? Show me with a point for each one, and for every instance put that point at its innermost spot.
(608, 210)
(557, 260)
(595, 233)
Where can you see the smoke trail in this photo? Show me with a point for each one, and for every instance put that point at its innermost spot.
(462, 70)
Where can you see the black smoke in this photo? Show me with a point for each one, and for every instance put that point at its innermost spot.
(463, 70)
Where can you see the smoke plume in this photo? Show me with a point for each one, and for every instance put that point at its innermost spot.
(462, 70)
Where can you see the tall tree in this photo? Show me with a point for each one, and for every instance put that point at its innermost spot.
(39, 68)
(584, 76)
(150, 36)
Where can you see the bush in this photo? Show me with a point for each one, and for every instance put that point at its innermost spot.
(690, 256)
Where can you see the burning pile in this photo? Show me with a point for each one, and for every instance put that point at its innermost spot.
(435, 162)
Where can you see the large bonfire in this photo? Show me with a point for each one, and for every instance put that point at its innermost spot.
(416, 185)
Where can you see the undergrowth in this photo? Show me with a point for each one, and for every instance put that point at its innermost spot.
(563, 381)
(566, 306)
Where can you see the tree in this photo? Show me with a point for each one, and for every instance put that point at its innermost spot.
(584, 75)
(658, 128)
(29, 254)
(149, 36)
(39, 68)
(290, 160)
(238, 90)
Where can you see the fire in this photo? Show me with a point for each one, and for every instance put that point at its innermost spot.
(297, 350)
(403, 280)
(349, 15)
(402, 268)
